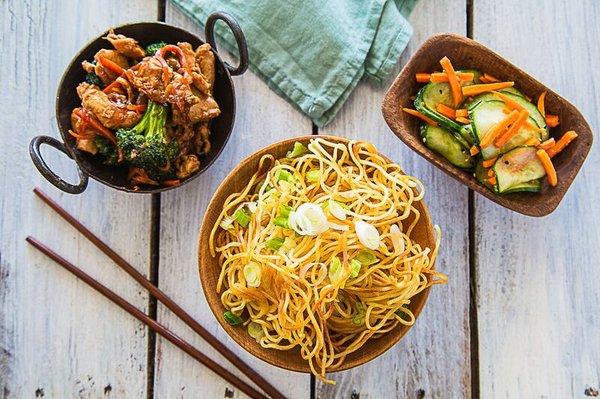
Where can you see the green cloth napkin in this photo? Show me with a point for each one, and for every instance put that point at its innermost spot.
(314, 52)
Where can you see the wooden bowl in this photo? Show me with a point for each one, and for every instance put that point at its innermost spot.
(466, 53)
(209, 268)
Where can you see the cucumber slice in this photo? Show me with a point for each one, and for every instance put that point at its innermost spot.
(481, 174)
(517, 167)
(489, 113)
(533, 186)
(446, 144)
(476, 76)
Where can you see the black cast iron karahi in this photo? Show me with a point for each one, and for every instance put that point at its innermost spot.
(145, 33)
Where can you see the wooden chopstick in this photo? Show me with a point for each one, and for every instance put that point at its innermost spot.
(162, 297)
(151, 323)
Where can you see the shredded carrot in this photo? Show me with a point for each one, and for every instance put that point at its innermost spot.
(541, 106)
(423, 77)
(416, 113)
(546, 145)
(489, 162)
(445, 110)
(463, 113)
(473, 90)
(514, 128)
(439, 77)
(532, 142)
(498, 129)
(552, 120)
(462, 120)
(562, 143)
(474, 150)
(492, 180)
(490, 78)
(548, 167)
(453, 81)
(509, 102)
(491, 173)
(110, 65)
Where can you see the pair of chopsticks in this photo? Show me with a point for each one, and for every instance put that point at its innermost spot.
(162, 297)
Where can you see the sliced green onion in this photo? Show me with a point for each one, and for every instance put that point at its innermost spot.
(313, 175)
(336, 209)
(282, 222)
(241, 217)
(284, 175)
(226, 223)
(255, 330)
(359, 318)
(252, 274)
(284, 210)
(232, 318)
(367, 234)
(355, 267)
(275, 243)
(298, 150)
(366, 257)
(336, 270)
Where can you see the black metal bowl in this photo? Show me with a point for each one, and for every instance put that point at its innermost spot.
(145, 33)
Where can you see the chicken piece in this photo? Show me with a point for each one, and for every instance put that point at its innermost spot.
(187, 165)
(88, 67)
(205, 109)
(147, 77)
(105, 75)
(87, 145)
(109, 113)
(199, 81)
(205, 59)
(125, 45)
(201, 140)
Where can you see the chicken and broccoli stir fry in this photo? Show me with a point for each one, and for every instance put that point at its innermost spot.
(147, 109)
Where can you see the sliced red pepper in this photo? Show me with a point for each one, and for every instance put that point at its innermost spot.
(92, 122)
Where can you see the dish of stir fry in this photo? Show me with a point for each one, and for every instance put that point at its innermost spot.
(147, 109)
(488, 127)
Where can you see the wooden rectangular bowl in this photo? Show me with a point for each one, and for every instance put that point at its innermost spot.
(464, 54)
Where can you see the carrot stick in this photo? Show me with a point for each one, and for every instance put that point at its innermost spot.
(110, 65)
(453, 81)
(422, 77)
(509, 102)
(546, 145)
(462, 120)
(514, 128)
(498, 129)
(416, 113)
(490, 78)
(90, 120)
(562, 143)
(445, 110)
(492, 180)
(552, 120)
(541, 106)
(463, 113)
(489, 162)
(532, 142)
(438, 77)
(473, 90)
(474, 150)
(491, 173)
(548, 167)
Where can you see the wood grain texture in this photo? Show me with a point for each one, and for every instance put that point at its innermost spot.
(57, 337)
(538, 295)
(262, 118)
(433, 359)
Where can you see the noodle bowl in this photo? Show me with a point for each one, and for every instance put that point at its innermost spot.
(321, 252)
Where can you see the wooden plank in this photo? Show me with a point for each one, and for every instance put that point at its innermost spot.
(58, 338)
(262, 118)
(433, 359)
(538, 299)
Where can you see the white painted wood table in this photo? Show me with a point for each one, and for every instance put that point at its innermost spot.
(520, 316)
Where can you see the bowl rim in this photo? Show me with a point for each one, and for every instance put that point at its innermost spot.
(64, 136)
(259, 352)
(551, 201)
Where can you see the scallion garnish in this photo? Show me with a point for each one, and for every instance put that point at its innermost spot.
(241, 217)
(252, 274)
(298, 150)
(359, 318)
(275, 243)
(355, 267)
(232, 319)
(366, 257)
(313, 175)
(284, 175)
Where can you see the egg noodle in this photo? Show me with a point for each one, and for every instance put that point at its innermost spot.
(316, 251)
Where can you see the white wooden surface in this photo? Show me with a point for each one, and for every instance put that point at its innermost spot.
(537, 285)
(58, 338)
(538, 298)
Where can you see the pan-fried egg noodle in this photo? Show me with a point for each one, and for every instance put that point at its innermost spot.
(316, 251)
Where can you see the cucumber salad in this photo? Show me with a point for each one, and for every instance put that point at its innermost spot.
(486, 126)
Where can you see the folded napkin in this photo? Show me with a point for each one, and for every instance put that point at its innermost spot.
(313, 52)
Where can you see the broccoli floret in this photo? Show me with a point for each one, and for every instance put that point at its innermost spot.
(107, 149)
(93, 79)
(147, 146)
(154, 47)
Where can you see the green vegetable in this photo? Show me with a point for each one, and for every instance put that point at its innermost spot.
(298, 150)
(445, 143)
(252, 274)
(232, 318)
(107, 149)
(154, 47)
(275, 243)
(355, 266)
(242, 217)
(93, 79)
(366, 257)
(359, 318)
(146, 145)
(282, 219)
(284, 175)
(313, 175)
(336, 270)
(518, 170)
(284, 210)
(401, 313)
(255, 330)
